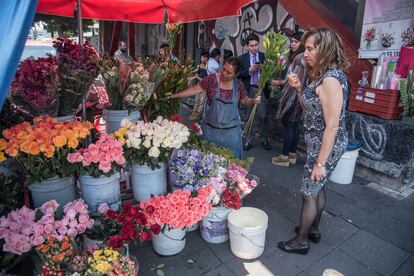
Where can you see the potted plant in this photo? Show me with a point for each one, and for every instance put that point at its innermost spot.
(41, 150)
(98, 166)
(128, 89)
(174, 212)
(227, 192)
(148, 148)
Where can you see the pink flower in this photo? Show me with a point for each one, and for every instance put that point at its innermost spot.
(75, 157)
(89, 224)
(47, 219)
(104, 147)
(79, 205)
(71, 214)
(105, 166)
(36, 240)
(120, 159)
(87, 159)
(83, 219)
(49, 207)
(103, 208)
(4, 222)
(72, 232)
(49, 228)
(62, 230)
(81, 228)
(73, 223)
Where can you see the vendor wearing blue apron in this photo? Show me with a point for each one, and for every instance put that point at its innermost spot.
(221, 120)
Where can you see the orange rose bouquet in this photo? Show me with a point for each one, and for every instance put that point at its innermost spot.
(42, 148)
(56, 255)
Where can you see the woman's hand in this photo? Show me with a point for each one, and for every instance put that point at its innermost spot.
(318, 173)
(277, 82)
(294, 82)
(257, 100)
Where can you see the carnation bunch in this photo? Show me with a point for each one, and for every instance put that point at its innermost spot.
(120, 227)
(151, 143)
(179, 209)
(105, 157)
(108, 261)
(41, 149)
(56, 254)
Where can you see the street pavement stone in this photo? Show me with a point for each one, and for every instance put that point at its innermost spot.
(374, 252)
(222, 270)
(406, 269)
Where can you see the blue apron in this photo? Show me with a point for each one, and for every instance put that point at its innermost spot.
(221, 122)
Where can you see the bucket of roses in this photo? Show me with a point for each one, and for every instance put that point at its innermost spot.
(227, 191)
(41, 150)
(148, 148)
(175, 212)
(128, 89)
(118, 228)
(98, 167)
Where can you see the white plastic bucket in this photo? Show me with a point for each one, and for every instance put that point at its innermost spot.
(113, 118)
(146, 182)
(247, 232)
(169, 242)
(213, 227)
(67, 118)
(194, 227)
(105, 189)
(88, 243)
(344, 171)
(60, 189)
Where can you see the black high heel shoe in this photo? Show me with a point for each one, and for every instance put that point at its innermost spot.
(302, 250)
(314, 237)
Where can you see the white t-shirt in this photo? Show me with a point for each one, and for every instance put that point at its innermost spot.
(212, 66)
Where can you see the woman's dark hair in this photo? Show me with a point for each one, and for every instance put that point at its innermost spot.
(251, 37)
(235, 63)
(214, 53)
(204, 53)
(164, 45)
(301, 49)
(227, 54)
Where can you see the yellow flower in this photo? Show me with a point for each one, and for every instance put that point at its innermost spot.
(60, 141)
(73, 143)
(3, 144)
(2, 157)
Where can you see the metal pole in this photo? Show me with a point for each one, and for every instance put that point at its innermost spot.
(80, 42)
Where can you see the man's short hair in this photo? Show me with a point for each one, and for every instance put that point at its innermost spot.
(214, 53)
(204, 53)
(251, 37)
(227, 53)
(164, 45)
(120, 42)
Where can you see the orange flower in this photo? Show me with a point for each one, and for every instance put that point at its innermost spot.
(50, 150)
(34, 148)
(3, 144)
(60, 141)
(65, 245)
(83, 132)
(73, 143)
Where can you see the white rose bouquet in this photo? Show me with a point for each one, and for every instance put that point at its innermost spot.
(151, 143)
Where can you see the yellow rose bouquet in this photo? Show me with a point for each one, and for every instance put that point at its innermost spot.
(42, 148)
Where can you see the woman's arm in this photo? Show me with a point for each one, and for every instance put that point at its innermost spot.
(249, 101)
(331, 97)
(191, 91)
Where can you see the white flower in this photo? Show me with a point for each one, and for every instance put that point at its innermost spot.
(154, 152)
(126, 123)
(147, 143)
(135, 143)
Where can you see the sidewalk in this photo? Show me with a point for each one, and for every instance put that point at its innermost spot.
(363, 232)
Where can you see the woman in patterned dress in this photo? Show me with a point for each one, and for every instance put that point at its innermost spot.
(323, 101)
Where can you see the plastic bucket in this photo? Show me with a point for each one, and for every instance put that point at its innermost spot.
(113, 118)
(344, 170)
(194, 227)
(60, 189)
(67, 118)
(88, 243)
(247, 232)
(213, 227)
(105, 189)
(169, 242)
(147, 182)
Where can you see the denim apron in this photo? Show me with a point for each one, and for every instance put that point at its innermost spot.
(221, 122)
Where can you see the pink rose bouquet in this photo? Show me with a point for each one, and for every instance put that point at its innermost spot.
(21, 230)
(105, 157)
(179, 209)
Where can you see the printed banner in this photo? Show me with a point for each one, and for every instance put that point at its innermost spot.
(387, 25)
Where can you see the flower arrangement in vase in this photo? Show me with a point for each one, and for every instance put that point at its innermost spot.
(105, 157)
(370, 36)
(151, 143)
(24, 228)
(77, 68)
(34, 87)
(122, 226)
(42, 149)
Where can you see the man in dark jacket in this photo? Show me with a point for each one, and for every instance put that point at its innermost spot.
(251, 63)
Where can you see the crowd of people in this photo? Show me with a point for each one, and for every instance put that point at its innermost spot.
(313, 91)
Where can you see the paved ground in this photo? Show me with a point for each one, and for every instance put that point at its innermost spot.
(363, 232)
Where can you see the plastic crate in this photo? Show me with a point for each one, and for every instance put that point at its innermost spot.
(385, 104)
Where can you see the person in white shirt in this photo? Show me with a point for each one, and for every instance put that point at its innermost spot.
(213, 63)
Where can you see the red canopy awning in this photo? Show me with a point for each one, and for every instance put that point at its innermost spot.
(146, 11)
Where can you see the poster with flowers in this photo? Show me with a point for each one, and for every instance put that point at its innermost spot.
(387, 25)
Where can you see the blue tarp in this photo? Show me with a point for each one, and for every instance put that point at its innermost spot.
(16, 17)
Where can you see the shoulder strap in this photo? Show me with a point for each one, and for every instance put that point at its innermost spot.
(218, 85)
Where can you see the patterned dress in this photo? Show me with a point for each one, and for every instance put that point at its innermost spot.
(314, 125)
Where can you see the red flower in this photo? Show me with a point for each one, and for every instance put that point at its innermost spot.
(176, 118)
(156, 229)
(146, 236)
(110, 214)
(195, 127)
(231, 199)
(150, 209)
